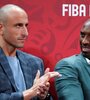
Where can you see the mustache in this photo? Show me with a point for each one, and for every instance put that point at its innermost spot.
(22, 38)
(85, 46)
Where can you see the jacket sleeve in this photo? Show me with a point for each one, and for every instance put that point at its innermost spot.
(12, 96)
(68, 86)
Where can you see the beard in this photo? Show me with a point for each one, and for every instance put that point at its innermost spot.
(85, 53)
(85, 49)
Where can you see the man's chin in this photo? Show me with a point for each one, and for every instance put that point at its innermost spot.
(20, 46)
(86, 54)
(86, 49)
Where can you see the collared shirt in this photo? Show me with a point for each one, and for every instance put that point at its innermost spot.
(17, 72)
(88, 61)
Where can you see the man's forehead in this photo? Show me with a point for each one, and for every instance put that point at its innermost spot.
(9, 11)
(86, 26)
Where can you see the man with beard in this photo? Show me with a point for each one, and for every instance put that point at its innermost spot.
(20, 73)
(75, 81)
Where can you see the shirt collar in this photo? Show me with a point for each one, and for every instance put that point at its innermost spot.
(88, 61)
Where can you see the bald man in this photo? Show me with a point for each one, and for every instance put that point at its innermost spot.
(75, 81)
(20, 73)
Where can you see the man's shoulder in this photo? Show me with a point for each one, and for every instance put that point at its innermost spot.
(71, 62)
(71, 59)
(26, 55)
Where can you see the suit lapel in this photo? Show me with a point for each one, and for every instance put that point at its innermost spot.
(27, 72)
(6, 68)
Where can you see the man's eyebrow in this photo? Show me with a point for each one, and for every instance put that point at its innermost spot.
(81, 32)
(19, 24)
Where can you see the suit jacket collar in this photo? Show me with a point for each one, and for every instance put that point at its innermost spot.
(6, 67)
(27, 72)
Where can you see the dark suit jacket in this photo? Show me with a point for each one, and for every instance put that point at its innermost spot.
(29, 64)
(75, 81)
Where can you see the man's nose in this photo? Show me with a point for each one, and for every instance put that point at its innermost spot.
(86, 40)
(25, 31)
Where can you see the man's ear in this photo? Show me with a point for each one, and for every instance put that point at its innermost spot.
(1, 29)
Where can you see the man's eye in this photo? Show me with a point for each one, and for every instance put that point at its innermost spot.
(19, 25)
(26, 25)
(82, 34)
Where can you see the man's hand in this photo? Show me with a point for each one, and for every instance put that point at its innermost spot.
(43, 82)
(40, 86)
